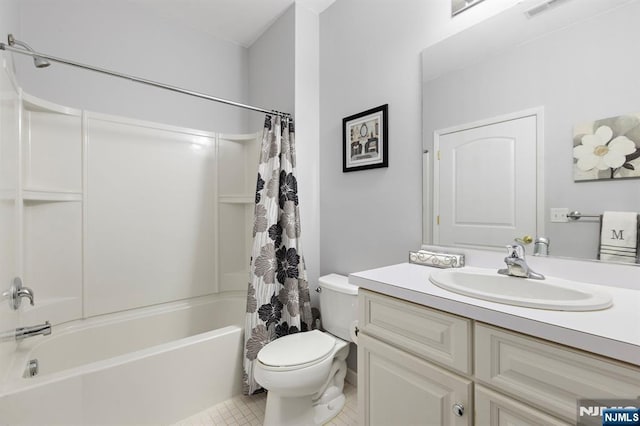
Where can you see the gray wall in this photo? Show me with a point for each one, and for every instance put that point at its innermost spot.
(9, 19)
(307, 114)
(585, 72)
(272, 68)
(125, 38)
(369, 56)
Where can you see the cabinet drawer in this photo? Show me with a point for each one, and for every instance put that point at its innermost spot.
(434, 335)
(494, 409)
(550, 376)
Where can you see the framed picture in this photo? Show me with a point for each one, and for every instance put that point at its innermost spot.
(364, 140)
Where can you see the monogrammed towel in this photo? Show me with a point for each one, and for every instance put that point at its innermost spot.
(619, 237)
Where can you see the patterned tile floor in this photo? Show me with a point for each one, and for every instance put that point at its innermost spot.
(249, 411)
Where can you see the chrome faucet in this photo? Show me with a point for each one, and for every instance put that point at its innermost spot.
(516, 263)
(16, 292)
(36, 330)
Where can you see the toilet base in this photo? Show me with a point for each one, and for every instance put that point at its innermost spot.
(288, 411)
(326, 412)
(298, 413)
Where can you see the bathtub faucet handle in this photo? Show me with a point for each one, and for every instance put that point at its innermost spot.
(26, 292)
(16, 292)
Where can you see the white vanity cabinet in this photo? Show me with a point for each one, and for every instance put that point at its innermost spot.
(422, 366)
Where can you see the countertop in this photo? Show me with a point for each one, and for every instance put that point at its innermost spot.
(613, 332)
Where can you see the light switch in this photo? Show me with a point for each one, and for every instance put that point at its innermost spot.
(559, 215)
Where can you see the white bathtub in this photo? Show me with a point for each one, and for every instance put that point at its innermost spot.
(152, 365)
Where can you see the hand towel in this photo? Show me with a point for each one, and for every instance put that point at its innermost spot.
(619, 237)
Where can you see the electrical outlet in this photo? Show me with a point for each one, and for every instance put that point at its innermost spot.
(559, 215)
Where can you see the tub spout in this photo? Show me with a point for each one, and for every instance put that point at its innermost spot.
(24, 332)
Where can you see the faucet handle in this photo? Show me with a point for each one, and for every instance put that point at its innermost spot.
(16, 292)
(515, 250)
(26, 292)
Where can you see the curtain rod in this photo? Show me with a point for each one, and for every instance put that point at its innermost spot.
(4, 46)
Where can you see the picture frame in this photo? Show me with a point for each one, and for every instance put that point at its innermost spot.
(607, 149)
(365, 142)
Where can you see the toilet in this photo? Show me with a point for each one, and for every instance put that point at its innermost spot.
(304, 372)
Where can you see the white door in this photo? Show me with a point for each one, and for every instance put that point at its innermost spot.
(485, 184)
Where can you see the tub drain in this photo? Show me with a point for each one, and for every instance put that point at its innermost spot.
(32, 368)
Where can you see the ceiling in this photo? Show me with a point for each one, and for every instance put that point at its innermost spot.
(238, 21)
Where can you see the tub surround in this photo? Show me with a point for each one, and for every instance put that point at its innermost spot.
(87, 236)
(612, 332)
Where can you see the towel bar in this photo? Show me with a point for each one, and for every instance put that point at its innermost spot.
(575, 215)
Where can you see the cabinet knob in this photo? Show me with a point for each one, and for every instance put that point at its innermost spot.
(458, 409)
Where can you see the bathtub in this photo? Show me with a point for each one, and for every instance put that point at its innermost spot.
(152, 365)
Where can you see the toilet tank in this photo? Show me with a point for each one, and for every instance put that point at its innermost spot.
(338, 304)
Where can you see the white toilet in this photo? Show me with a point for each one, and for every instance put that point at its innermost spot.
(304, 372)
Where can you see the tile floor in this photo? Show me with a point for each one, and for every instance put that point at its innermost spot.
(249, 411)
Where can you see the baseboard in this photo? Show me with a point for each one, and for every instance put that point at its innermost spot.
(352, 377)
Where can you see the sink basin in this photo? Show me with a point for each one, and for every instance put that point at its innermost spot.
(552, 293)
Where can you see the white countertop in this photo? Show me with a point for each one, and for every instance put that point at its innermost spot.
(612, 332)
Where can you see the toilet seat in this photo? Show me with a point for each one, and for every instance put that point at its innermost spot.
(297, 350)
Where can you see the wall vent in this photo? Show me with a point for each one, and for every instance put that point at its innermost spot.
(545, 5)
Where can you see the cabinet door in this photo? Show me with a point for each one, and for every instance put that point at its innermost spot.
(493, 409)
(547, 375)
(395, 388)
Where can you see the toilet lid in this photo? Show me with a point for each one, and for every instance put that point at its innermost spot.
(296, 349)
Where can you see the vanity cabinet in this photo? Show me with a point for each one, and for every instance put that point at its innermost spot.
(419, 365)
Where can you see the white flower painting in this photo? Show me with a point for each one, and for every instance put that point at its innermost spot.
(607, 149)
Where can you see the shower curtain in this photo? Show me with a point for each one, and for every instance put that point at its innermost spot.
(278, 299)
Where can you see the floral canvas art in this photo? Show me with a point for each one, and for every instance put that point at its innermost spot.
(607, 149)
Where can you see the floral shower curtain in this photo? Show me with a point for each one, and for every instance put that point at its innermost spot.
(278, 299)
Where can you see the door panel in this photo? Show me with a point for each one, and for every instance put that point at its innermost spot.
(486, 184)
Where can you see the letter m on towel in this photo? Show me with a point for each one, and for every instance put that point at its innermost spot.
(617, 236)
